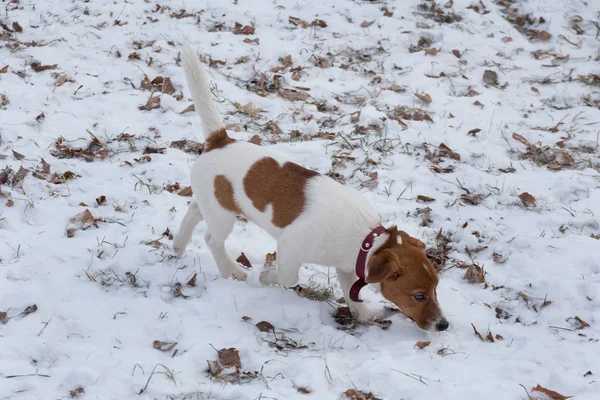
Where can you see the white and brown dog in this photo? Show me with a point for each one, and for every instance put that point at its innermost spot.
(315, 219)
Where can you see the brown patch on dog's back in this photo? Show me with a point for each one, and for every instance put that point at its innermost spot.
(266, 182)
(217, 140)
(224, 194)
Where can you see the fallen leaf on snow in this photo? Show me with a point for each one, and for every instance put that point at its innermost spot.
(242, 259)
(475, 274)
(527, 200)
(230, 357)
(550, 393)
(265, 326)
(37, 67)
(164, 346)
(366, 24)
(577, 322)
(424, 97)
(423, 344)
(240, 29)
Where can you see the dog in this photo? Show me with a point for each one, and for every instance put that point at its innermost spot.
(315, 219)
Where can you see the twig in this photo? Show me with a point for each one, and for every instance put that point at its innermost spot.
(45, 325)
(420, 379)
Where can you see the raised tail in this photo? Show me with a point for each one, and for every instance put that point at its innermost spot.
(199, 88)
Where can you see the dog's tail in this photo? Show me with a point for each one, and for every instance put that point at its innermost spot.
(199, 88)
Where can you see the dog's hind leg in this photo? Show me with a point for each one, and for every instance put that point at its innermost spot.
(192, 217)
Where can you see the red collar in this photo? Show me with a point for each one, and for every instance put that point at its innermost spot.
(361, 262)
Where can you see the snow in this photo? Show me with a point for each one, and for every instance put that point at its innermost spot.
(95, 329)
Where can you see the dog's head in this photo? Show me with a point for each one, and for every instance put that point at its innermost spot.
(408, 279)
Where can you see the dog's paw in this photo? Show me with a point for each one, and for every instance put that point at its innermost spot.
(179, 246)
(363, 313)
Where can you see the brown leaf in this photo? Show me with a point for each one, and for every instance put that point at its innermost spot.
(395, 88)
(75, 393)
(273, 128)
(490, 77)
(254, 41)
(4, 69)
(186, 191)
(230, 357)
(18, 156)
(37, 67)
(499, 258)
(3, 317)
(550, 393)
(423, 344)
(477, 333)
(475, 274)
(520, 138)
(474, 132)
(33, 308)
(507, 170)
(355, 394)
(101, 200)
(17, 27)
(303, 389)
(366, 24)
(238, 29)
(577, 322)
(249, 109)
(456, 53)
(40, 117)
(270, 260)
(320, 23)
(19, 176)
(431, 51)
(471, 93)
(293, 95)
(265, 326)
(255, 140)
(424, 97)
(164, 346)
(242, 259)
(473, 199)
(296, 75)
(490, 337)
(192, 281)
(298, 22)
(425, 199)
(60, 80)
(189, 108)
(527, 200)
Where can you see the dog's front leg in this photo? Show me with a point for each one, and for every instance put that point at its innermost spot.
(285, 272)
(362, 311)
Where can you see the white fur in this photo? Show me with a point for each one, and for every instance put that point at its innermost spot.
(328, 232)
(199, 87)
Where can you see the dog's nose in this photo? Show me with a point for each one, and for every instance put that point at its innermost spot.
(442, 325)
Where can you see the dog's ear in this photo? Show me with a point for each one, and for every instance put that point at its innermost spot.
(411, 240)
(382, 265)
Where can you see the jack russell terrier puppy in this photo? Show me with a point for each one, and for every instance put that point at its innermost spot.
(315, 219)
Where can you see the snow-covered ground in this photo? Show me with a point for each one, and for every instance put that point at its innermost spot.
(371, 92)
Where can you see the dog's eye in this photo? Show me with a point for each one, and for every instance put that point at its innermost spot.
(419, 297)
(396, 275)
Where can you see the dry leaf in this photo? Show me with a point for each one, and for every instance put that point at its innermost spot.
(60, 80)
(424, 97)
(456, 53)
(230, 357)
(242, 259)
(238, 29)
(527, 200)
(395, 88)
(473, 132)
(477, 333)
(577, 322)
(366, 24)
(3, 317)
(164, 346)
(17, 27)
(475, 274)
(423, 344)
(37, 67)
(75, 393)
(550, 393)
(303, 390)
(192, 281)
(320, 23)
(298, 22)
(189, 108)
(270, 260)
(425, 199)
(293, 95)
(4, 69)
(254, 41)
(255, 140)
(431, 51)
(18, 156)
(249, 109)
(265, 326)
(473, 199)
(355, 394)
(186, 191)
